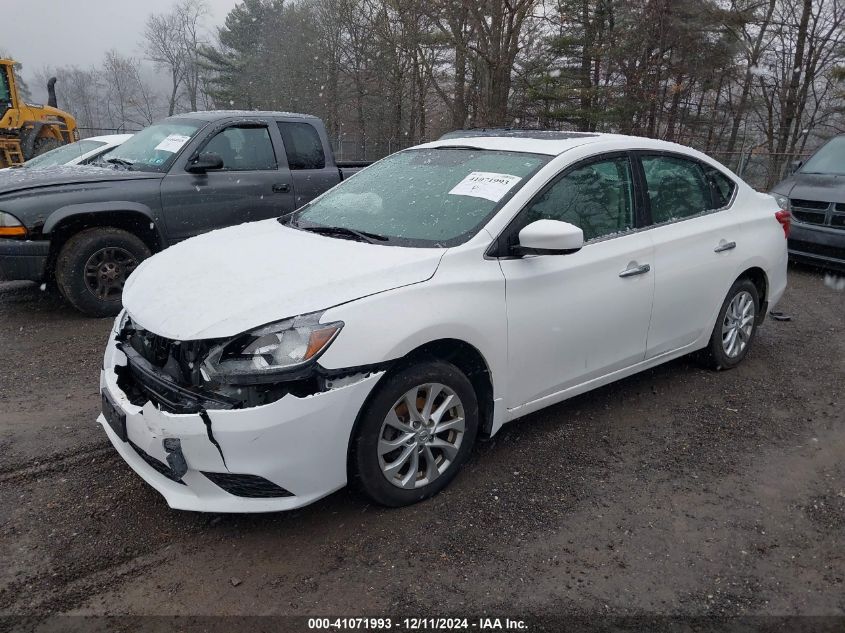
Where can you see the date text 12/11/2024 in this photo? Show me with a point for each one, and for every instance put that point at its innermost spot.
(418, 624)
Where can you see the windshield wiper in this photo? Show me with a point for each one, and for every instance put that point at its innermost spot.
(361, 236)
(119, 161)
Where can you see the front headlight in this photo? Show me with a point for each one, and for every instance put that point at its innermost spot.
(260, 355)
(783, 201)
(10, 226)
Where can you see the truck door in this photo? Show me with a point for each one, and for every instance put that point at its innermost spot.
(252, 185)
(306, 157)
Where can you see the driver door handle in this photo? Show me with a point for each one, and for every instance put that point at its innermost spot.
(724, 246)
(635, 270)
(281, 187)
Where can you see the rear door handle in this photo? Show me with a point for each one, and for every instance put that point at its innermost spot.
(282, 187)
(724, 246)
(635, 270)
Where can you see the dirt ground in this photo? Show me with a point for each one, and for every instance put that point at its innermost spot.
(679, 491)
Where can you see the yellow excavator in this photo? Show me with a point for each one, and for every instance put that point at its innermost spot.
(29, 130)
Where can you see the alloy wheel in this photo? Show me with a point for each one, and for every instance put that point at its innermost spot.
(738, 324)
(106, 272)
(421, 435)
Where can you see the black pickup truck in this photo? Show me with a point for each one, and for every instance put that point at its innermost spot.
(87, 228)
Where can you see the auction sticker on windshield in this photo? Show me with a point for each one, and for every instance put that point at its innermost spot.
(173, 143)
(485, 184)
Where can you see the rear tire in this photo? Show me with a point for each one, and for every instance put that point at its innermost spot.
(735, 327)
(92, 268)
(423, 459)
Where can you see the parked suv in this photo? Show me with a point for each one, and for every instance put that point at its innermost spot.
(451, 288)
(89, 228)
(815, 194)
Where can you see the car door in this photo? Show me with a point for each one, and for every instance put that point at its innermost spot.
(695, 237)
(250, 186)
(573, 318)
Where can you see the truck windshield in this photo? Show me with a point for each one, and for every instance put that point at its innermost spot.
(830, 159)
(434, 197)
(156, 147)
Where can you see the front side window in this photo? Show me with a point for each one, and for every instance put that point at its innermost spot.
(435, 197)
(677, 188)
(243, 148)
(303, 146)
(598, 198)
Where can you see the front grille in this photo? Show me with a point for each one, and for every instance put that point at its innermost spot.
(251, 486)
(808, 216)
(810, 204)
(819, 213)
(155, 464)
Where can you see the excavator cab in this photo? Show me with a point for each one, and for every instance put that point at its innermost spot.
(5, 91)
(28, 130)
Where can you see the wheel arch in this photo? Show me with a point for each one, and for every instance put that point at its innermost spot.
(132, 217)
(760, 280)
(465, 357)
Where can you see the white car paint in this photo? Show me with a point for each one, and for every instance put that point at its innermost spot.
(108, 143)
(548, 327)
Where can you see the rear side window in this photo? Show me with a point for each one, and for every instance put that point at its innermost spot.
(677, 188)
(597, 198)
(721, 187)
(302, 145)
(243, 148)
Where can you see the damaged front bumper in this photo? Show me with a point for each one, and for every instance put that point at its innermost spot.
(276, 456)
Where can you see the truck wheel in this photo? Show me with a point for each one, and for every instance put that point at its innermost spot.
(45, 144)
(93, 266)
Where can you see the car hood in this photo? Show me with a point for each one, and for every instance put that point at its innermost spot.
(817, 187)
(14, 181)
(232, 280)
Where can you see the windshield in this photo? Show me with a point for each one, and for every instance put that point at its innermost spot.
(830, 159)
(423, 197)
(154, 148)
(62, 155)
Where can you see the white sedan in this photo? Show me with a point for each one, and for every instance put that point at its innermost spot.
(374, 334)
(84, 152)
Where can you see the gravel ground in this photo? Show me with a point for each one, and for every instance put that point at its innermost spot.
(678, 491)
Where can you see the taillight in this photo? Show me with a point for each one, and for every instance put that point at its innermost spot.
(785, 219)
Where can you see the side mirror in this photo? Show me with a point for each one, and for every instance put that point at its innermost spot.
(795, 166)
(207, 161)
(549, 237)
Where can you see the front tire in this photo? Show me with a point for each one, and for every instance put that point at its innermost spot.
(93, 266)
(735, 327)
(414, 434)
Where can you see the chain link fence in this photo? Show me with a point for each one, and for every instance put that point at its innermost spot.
(761, 169)
(88, 132)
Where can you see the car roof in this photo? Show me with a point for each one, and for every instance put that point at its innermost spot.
(552, 143)
(215, 115)
(109, 138)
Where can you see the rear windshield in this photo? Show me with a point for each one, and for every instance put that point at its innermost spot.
(830, 159)
(432, 197)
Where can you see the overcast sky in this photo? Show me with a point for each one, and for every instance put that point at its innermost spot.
(40, 33)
